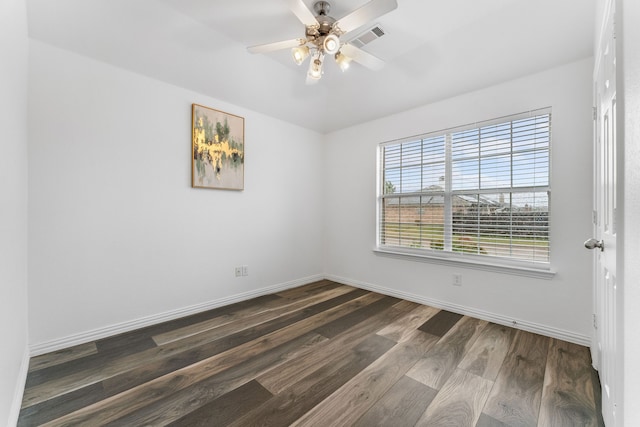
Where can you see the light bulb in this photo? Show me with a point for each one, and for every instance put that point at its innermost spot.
(343, 61)
(316, 70)
(331, 44)
(300, 53)
(315, 67)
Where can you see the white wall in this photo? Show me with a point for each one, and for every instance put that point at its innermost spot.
(13, 205)
(116, 231)
(561, 305)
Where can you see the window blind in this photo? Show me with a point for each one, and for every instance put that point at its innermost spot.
(478, 190)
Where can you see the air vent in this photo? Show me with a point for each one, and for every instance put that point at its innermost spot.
(368, 36)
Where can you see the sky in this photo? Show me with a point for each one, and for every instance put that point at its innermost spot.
(496, 157)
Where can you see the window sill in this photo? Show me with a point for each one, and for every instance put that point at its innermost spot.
(544, 272)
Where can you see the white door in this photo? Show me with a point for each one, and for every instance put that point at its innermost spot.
(606, 348)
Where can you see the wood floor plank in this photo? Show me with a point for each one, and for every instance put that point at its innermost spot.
(334, 349)
(87, 363)
(440, 323)
(197, 328)
(204, 381)
(271, 366)
(125, 345)
(459, 403)
(191, 374)
(487, 421)
(332, 329)
(401, 406)
(219, 327)
(173, 362)
(174, 406)
(130, 343)
(443, 358)
(62, 405)
(516, 394)
(97, 361)
(227, 408)
(308, 290)
(62, 356)
(486, 355)
(597, 394)
(260, 303)
(567, 397)
(326, 311)
(154, 369)
(403, 327)
(296, 400)
(352, 400)
(345, 303)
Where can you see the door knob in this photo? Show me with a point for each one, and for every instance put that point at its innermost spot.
(594, 243)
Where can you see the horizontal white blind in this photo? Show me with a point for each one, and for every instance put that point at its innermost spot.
(480, 189)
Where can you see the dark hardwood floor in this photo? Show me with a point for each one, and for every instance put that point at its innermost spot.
(324, 354)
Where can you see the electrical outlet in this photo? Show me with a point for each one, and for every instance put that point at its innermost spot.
(245, 270)
(457, 279)
(238, 271)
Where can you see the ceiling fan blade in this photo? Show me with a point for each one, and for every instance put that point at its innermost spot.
(367, 13)
(362, 57)
(270, 47)
(302, 12)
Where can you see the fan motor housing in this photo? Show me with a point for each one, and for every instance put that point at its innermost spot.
(325, 21)
(322, 7)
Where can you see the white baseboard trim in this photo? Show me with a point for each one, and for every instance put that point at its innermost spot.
(107, 331)
(14, 411)
(545, 330)
(111, 330)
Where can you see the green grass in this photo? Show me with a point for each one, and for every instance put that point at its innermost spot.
(414, 229)
(435, 232)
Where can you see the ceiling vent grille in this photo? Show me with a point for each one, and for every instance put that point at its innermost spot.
(368, 36)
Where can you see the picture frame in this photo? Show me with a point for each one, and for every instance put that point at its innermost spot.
(217, 149)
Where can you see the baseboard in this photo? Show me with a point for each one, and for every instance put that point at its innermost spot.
(545, 330)
(96, 334)
(14, 411)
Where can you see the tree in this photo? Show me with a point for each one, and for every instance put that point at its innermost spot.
(389, 188)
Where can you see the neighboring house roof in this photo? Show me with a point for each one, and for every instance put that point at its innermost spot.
(438, 199)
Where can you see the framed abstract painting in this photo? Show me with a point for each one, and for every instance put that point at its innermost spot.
(217, 149)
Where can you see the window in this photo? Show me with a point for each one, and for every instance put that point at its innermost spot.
(477, 192)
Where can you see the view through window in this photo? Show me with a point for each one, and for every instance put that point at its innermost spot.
(480, 190)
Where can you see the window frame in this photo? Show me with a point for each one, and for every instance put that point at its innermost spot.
(447, 256)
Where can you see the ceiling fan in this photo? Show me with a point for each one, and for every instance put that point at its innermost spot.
(323, 33)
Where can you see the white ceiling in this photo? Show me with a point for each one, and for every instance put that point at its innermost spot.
(433, 49)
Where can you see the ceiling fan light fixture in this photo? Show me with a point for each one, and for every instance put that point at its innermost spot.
(315, 67)
(343, 61)
(331, 44)
(300, 53)
(323, 33)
